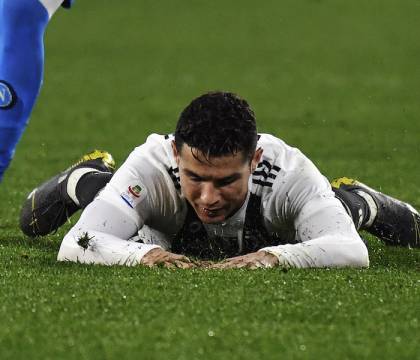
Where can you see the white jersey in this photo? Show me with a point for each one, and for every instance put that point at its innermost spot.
(290, 211)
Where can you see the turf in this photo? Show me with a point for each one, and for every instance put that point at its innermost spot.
(337, 79)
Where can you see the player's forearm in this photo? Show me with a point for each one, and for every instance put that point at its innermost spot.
(101, 237)
(94, 247)
(326, 251)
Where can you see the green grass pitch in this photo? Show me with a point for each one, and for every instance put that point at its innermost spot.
(338, 79)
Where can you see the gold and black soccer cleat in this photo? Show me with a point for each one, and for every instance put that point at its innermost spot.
(391, 220)
(49, 205)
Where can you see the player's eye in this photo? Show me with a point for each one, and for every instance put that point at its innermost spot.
(226, 182)
(195, 178)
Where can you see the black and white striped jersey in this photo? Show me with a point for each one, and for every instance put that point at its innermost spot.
(290, 209)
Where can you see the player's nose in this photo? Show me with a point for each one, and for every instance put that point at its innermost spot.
(209, 195)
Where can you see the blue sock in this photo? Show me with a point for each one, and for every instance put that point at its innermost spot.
(22, 26)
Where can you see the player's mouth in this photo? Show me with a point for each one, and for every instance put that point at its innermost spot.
(211, 214)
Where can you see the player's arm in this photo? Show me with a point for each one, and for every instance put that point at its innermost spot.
(327, 235)
(328, 239)
(102, 234)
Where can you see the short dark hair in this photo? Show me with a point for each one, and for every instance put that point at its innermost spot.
(218, 124)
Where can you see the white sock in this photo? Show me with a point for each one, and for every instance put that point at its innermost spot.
(372, 206)
(51, 6)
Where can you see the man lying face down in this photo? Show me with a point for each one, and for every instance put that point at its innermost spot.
(216, 194)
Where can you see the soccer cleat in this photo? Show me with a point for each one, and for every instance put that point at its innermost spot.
(48, 206)
(393, 221)
(67, 4)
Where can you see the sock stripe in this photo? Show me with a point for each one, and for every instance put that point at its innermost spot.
(74, 179)
(373, 208)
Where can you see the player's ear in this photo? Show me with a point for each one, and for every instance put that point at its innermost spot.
(256, 159)
(175, 151)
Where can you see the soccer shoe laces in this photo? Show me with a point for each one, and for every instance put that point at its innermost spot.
(105, 156)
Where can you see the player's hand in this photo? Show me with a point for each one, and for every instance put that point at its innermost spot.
(160, 257)
(255, 260)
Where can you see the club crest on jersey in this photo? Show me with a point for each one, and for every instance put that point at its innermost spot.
(133, 195)
(7, 95)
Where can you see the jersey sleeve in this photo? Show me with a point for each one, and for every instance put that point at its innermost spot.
(326, 237)
(102, 234)
(323, 233)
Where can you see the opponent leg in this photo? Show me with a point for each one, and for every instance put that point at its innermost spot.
(49, 205)
(22, 26)
(391, 220)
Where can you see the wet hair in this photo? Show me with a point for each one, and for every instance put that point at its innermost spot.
(217, 124)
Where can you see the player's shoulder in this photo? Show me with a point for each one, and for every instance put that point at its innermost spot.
(154, 162)
(276, 150)
(156, 145)
(278, 153)
(156, 152)
(282, 168)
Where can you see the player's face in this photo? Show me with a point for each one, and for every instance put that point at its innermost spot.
(218, 189)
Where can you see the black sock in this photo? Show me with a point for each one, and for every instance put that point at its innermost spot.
(89, 185)
(356, 206)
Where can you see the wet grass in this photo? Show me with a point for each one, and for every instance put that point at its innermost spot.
(338, 80)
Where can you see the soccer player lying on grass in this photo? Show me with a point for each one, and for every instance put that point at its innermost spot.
(22, 26)
(215, 190)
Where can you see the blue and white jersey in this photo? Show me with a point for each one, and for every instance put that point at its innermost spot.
(290, 211)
